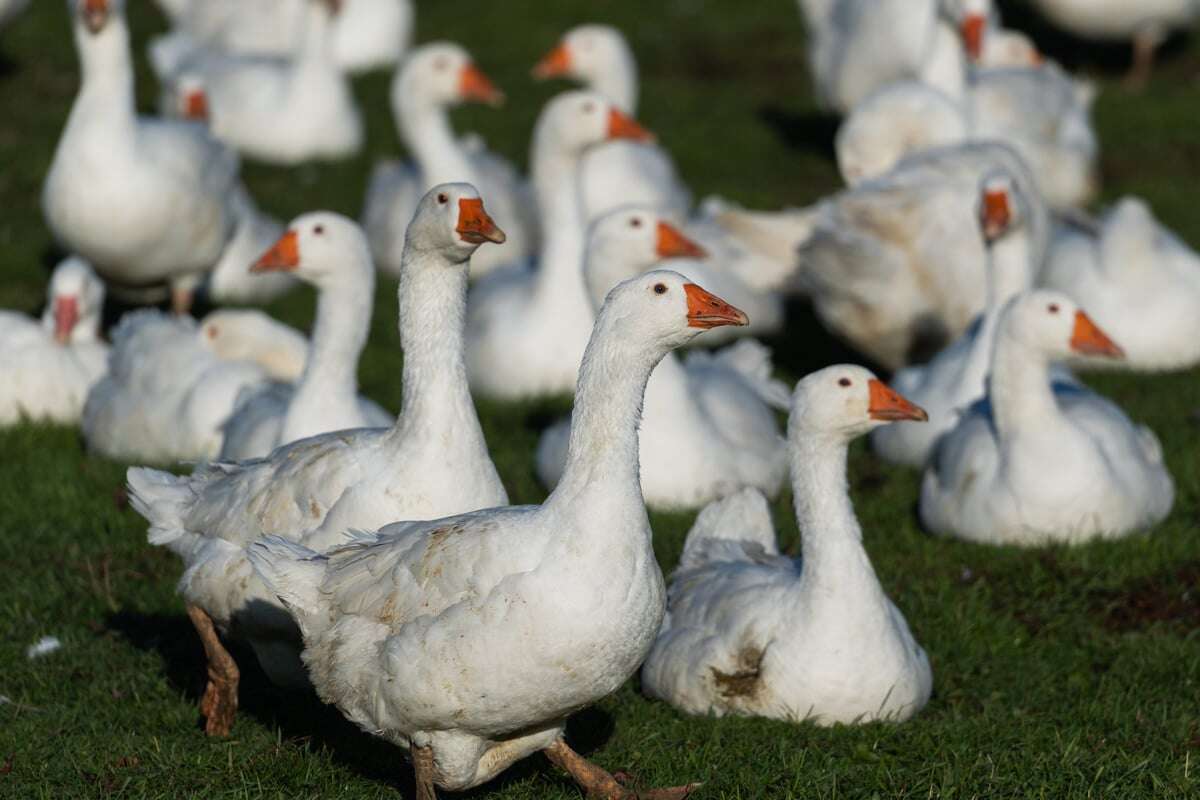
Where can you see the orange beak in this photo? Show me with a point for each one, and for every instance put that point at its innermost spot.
(284, 255)
(66, 314)
(888, 405)
(475, 87)
(706, 310)
(195, 105)
(623, 126)
(973, 26)
(555, 64)
(673, 244)
(1087, 339)
(95, 15)
(995, 214)
(474, 224)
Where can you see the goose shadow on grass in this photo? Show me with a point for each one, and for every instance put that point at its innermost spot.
(810, 130)
(303, 719)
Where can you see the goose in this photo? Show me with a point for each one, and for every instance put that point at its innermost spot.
(470, 639)
(330, 252)
(1144, 23)
(527, 328)
(280, 110)
(49, 364)
(750, 631)
(372, 34)
(707, 423)
(433, 78)
(617, 173)
(433, 461)
(895, 265)
(1033, 463)
(1139, 281)
(955, 377)
(237, 334)
(145, 201)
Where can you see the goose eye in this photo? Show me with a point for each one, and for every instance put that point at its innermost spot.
(635, 223)
(589, 107)
(660, 288)
(319, 229)
(1052, 308)
(443, 199)
(212, 331)
(441, 63)
(844, 382)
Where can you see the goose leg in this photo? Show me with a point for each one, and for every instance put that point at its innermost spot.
(601, 785)
(219, 704)
(1145, 43)
(181, 301)
(422, 759)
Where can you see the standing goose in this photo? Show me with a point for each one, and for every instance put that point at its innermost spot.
(330, 252)
(49, 365)
(707, 424)
(1035, 463)
(145, 201)
(470, 640)
(432, 79)
(750, 631)
(433, 461)
(527, 329)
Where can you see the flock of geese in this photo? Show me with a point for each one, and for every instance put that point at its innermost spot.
(378, 560)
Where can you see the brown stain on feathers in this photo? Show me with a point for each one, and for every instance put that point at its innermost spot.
(744, 681)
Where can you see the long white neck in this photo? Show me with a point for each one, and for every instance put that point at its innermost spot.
(560, 266)
(1008, 274)
(328, 388)
(833, 561)
(316, 44)
(425, 129)
(946, 66)
(1019, 387)
(436, 401)
(106, 95)
(602, 455)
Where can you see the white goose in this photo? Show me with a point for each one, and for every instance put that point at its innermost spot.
(247, 335)
(527, 329)
(49, 365)
(1035, 463)
(956, 376)
(469, 640)
(330, 252)
(617, 173)
(707, 424)
(1139, 281)
(145, 201)
(433, 461)
(432, 79)
(280, 110)
(751, 631)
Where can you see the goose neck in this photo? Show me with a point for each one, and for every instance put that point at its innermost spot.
(317, 39)
(619, 83)
(1007, 276)
(107, 68)
(426, 131)
(560, 265)
(1019, 387)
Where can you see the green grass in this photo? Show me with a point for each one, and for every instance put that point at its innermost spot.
(1059, 673)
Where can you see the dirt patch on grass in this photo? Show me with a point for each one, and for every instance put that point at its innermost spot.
(1170, 599)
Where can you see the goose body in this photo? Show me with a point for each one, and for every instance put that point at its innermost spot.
(750, 631)
(331, 252)
(432, 78)
(469, 640)
(145, 201)
(708, 428)
(1034, 463)
(431, 462)
(50, 364)
(1138, 280)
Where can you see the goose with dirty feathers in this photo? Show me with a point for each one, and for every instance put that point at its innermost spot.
(145, 201)
(50, 364)
(433, 461)
(1035, 462)
(750, 631)
(708, 425)
(469, 640)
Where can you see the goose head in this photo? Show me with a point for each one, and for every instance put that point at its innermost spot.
(442, 74)
(627, 242)
(846, 401)
(321, 248)
(972, 17)
(574, 121)
(1001, 207)
(660, 310)
(1052, 323)
(451, 220)
(586, 53)
(95, 15)
(74, 301)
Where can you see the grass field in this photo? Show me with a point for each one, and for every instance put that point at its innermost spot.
(1058, 673)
